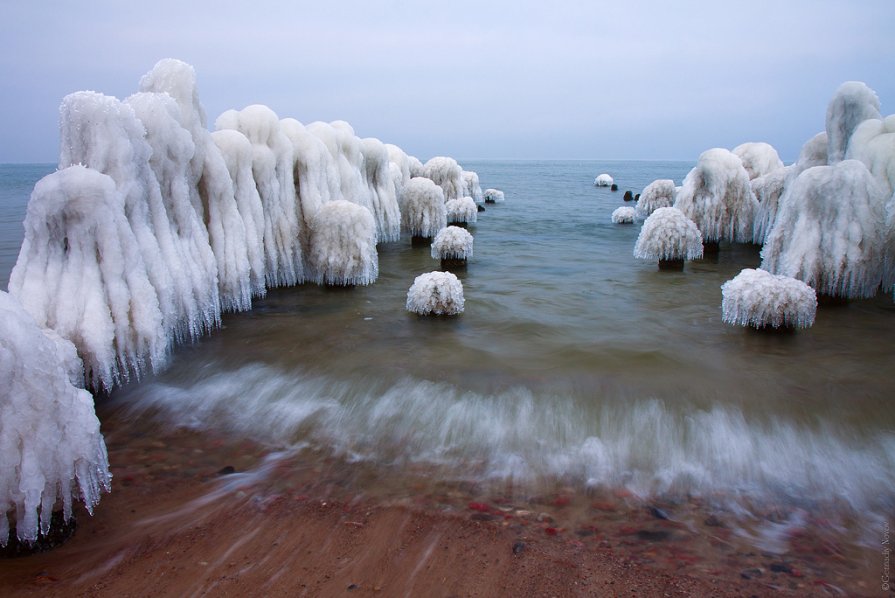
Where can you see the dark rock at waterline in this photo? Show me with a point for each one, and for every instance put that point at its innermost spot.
(614, 187)
(650, 535)
(227, 470)
(658, 513)
(60, 531)
(480, 208)
(637, 197)
(518, 548)
(628, 196)
(482, 517)
(780, 568)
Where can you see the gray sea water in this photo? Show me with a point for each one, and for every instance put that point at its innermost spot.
(572, 361)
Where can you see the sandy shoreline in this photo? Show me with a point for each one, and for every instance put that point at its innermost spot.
(176, 524)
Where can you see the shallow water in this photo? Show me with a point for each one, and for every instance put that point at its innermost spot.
(573, 362)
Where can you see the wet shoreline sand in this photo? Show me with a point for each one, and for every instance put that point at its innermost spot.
(195, 513)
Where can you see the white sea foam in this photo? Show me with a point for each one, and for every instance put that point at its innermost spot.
(642, 444)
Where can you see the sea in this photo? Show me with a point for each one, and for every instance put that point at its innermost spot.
(573, 364)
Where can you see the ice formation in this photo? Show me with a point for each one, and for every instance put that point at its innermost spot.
(384, 190)
(81, 272)
(208, 183)
(172, 149)
(717, 196)
(623, 215)
(153, 225)
(272, 169)
(447, 174)
(436, 293)
(236, 151)
(760, 299)
(51, 448)
(758, 158)
(423, 212)
(658, 194)
(852, 104)
(603, 180)
(343, 245)
(472, 187)
(829, 231)
(493, 196)
(767, 188)
(668, 235)
(873, 143)
(461, 210)
(452, 243)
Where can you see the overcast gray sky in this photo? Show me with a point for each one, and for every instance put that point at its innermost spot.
(626, 79)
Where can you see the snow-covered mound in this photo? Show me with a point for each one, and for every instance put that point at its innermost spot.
(51, 449)
(461, 210)
(717, 196)
(343, 245)
(829, 231)
(436, 293)
(623, 215)
(423, 212)
(758, 158)
(760, 299)
(452, 243)
(668, 235)
(603, 180)
(658, 194)
(493, 196)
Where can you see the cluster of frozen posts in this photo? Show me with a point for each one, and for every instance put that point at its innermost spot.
(826, 223)
(153, 226)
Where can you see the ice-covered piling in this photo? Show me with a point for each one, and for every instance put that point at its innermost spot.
(51, 449)
(761, 300)
(436, 293)
(462, 211)
(82, 273)
(758, 158)
(717, 196)
(493, 196)
(623, 215)
(658, 194)
(272, 170)
(423, 211)
(668, 237)
(830, 231)
(447, 174)
(453, 246)
(343, 245)
(852, 104)
(603, 180)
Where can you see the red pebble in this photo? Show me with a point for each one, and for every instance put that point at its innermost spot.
(796, 573)
(561, 501)
(479, 506)
(551, 531)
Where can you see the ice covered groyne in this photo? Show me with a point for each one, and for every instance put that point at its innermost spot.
(152, 227)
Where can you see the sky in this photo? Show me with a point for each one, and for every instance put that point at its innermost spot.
(479, 79)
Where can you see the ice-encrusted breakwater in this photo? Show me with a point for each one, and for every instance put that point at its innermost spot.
(152, 227)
